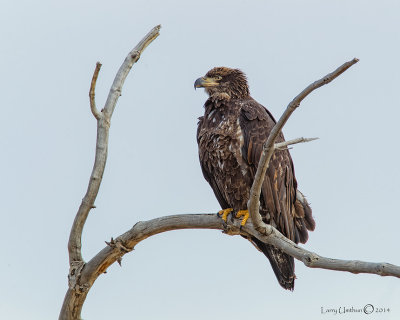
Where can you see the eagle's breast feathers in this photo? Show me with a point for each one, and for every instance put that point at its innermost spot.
(220, 139)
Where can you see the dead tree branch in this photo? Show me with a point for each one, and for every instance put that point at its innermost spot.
(142, 230)
(145, 229)
(93, 108)
(268, 150)
(283, 145)
(73, 300)
(82, 275)
(103, 124)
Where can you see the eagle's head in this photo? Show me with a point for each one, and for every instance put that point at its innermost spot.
(224, 83)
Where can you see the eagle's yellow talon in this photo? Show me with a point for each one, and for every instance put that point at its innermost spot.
(224, 213)
(244, 214)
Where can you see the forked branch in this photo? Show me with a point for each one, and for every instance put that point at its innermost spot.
(103, 124)
(269, 147)
(76, 293)
(82, 275)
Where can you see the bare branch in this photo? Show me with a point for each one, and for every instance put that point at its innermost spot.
(103, 124)
(133, 57)
(82, 275)
(283, 145)
(268, 150)
(95, 112)
(71, 306)
(313, 260)
(145, 229)
(142, 230)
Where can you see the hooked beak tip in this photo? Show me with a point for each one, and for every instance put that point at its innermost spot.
(198, 83)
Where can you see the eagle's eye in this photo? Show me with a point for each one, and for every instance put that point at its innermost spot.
(218, 78)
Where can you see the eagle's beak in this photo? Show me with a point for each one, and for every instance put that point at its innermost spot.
(204, 82)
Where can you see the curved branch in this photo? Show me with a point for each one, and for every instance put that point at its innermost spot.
(268, 150)
(73, 300)
(76, 293)
(145, 229)
(142, 230)
(93, 108)
(103, 124)
(83, 275)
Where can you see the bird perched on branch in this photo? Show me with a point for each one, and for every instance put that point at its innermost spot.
(230, 137)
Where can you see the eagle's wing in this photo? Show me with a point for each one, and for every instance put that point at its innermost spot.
(206, 171)
(278, 192)
(279, 188)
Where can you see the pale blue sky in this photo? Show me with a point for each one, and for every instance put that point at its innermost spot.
(350, 176)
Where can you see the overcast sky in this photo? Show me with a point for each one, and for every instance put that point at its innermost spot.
(350, 176)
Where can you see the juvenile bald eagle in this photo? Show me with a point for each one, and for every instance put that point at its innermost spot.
(230, 137)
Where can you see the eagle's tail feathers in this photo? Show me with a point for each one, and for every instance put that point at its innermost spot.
(282, 264)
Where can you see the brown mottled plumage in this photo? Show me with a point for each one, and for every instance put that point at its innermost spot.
(230, 136)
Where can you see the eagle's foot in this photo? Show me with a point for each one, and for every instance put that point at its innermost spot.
(244, 214)
(224, 213)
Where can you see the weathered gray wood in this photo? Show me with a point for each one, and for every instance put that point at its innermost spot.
(142, 230)
(268, 150)
(103, 125)
(285, 144)
(82, 275)
(74, 298)
(93, 108)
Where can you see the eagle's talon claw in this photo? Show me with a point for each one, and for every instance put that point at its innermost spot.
(245, 215)
(224, 213)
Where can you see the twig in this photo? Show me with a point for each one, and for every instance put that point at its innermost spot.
(283, 145)
(254, 199)
(95, 112)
